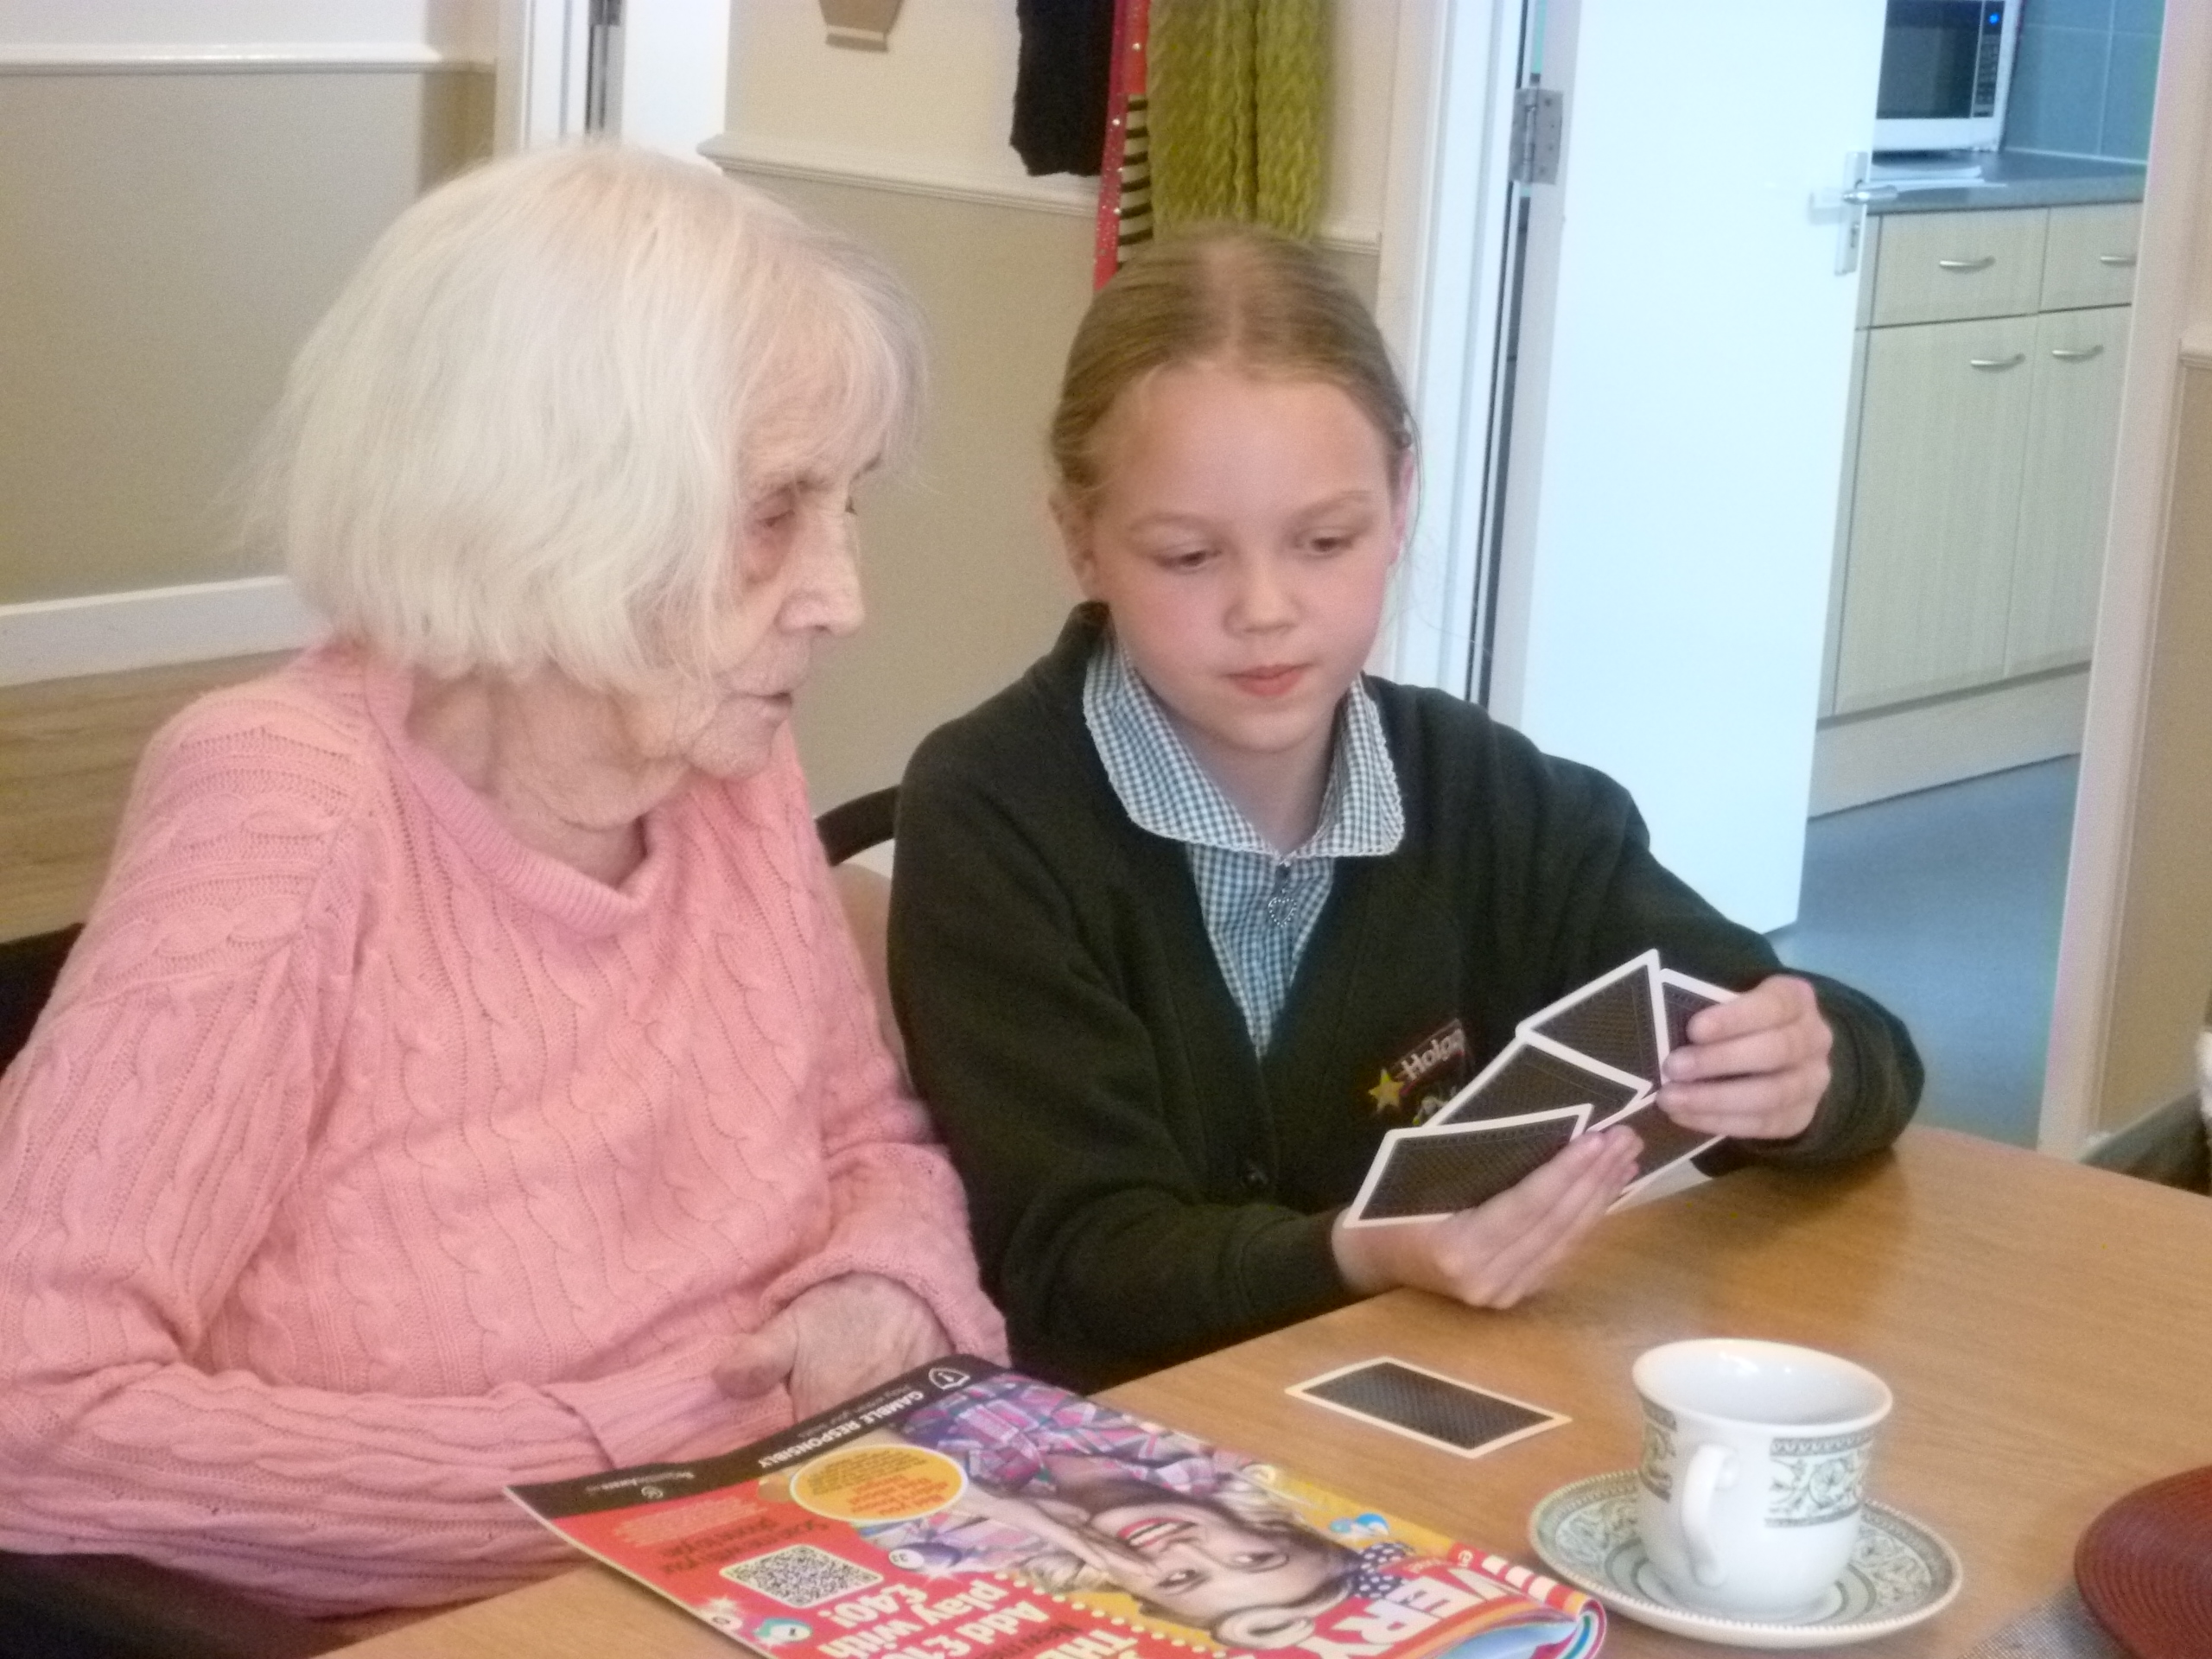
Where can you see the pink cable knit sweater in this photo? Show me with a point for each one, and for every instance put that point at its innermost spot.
(367, 1159)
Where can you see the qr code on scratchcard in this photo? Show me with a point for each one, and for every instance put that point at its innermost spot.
(800, 1575)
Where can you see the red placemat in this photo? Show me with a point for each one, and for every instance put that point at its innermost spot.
(2144, 1567)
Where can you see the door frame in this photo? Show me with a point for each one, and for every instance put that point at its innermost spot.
(679, 47)
(2171, 324)
(1440, 285)
(538, 92)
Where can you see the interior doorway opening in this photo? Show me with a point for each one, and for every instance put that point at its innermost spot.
(1858, 734)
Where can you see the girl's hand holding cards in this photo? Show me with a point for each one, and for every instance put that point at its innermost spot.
(1755, 1067)
(1496, 1253)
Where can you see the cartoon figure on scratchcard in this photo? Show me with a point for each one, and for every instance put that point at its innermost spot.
(1078, 1500)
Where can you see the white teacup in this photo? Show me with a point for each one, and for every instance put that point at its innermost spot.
(1755, 1459)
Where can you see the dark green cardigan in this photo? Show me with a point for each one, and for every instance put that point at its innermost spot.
(1143, 1187)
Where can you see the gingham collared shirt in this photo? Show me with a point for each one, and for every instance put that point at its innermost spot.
(1260, 905)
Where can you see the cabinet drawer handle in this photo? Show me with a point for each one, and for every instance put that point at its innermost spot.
(2115, 258)
(2011, 362)
(1982, 263)
(2081, 355)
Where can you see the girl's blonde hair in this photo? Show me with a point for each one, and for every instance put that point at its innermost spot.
(1230, 294)
(524, 434)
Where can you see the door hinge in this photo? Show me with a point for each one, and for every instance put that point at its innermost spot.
(1538, 124)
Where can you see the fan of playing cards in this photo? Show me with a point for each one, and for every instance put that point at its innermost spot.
(1589, 1061)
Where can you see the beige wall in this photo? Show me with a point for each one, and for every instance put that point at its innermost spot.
(2164, 962)
(965, 582)
(2135, 958)
(963, 586)
(166, 242)
(942, 97)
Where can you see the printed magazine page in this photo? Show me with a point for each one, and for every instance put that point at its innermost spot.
(964, 1512)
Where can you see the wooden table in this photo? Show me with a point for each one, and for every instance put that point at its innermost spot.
(2047, 1329)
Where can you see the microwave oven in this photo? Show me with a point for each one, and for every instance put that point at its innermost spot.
(1947, 66)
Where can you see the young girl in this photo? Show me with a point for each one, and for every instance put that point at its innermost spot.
(1181, 914)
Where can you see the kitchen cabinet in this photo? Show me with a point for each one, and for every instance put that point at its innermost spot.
(1942, 437)
(1980, 472)
(2066, 486)
(2089, 256)
(1946, 267)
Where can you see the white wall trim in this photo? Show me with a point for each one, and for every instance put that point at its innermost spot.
(905, 175)
(107, 633)
(832, 164)
(274, 58)
(1871, 757)
(2165, 328)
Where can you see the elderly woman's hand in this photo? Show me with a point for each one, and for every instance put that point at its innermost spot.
(836, 1340)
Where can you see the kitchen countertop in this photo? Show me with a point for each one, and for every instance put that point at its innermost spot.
(2024, 178)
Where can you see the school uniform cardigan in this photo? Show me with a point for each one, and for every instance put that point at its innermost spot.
(1142, 1186)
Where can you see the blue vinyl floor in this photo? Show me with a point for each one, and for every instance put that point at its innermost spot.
(1945, 905)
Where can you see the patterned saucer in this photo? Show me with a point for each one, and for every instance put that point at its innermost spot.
(1900, 1573)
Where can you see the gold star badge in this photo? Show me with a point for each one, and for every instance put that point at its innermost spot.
(1385, 1093)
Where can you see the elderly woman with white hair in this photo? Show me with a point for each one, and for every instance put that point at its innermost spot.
(465, 1075)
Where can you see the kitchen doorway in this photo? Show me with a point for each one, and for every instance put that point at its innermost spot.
(1989, 364)
(1648, 498)
(1651, 511)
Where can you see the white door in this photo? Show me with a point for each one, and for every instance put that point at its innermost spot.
(653, 73)
(1678, 419)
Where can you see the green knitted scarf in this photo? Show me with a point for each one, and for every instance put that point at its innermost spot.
(1239, 110)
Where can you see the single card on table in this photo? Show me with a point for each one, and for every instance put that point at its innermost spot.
(1616, 1021)
(1527, 1079)
(1427, 1406)
(1434, 1171)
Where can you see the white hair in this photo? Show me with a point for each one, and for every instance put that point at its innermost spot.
(525, 435)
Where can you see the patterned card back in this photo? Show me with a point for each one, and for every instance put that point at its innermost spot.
(1614, 1026)
(1682, 1003)
(1439, 1174)
(1532, 1080)
(1665, 1141)
(1435, 1407)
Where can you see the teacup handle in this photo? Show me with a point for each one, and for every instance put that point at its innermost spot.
(1710, 1468)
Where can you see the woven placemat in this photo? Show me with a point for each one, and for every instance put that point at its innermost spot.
(2060, 1628)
